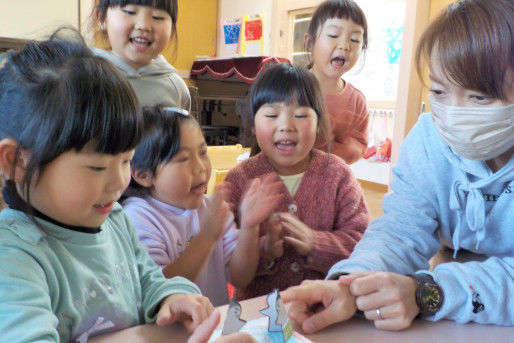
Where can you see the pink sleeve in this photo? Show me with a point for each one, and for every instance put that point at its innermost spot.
(352, 218)
(355, 142)
(349, 120)
(235, 179)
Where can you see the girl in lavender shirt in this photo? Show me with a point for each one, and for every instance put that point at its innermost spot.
(186, 232)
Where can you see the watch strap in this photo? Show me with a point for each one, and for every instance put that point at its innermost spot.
(425, 282)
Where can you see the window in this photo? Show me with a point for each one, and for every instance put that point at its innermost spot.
(300, 21)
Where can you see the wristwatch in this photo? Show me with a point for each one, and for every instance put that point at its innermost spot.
(429, 296)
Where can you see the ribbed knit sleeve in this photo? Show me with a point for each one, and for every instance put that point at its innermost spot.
(238, 184)
(351, 219)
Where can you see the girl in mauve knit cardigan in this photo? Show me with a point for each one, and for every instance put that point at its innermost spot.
(322, 213)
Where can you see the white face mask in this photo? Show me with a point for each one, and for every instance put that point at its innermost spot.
(476, 133)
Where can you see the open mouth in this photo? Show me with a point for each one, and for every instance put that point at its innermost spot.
(140, 41)
(285, 146)
(338, 62)
(199, 189)
(104, 208)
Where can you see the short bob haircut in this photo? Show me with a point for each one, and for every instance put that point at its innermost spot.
(343, 9)
(284, 83)
(56, 96)
(160, 142)
(170, 6)
(474, 43)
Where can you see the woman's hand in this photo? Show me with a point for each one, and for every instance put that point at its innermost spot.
(205, 330)
(393, 294)
(189, 309)
(318, 304)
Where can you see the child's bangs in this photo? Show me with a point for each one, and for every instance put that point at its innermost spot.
(161, 138)
(165, 5)
(291, 89)
(99, 107)
(341, 10)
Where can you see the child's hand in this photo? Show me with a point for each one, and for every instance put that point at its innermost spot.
(204, 332)
(274, 243)
(189, 309)
(217, 213)
(296, 233)
(260, 200)
(393, 294)
(318, 304)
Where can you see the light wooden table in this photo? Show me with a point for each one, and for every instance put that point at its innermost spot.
(355, 330)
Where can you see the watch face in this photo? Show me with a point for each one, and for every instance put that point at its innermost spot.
(431, 298)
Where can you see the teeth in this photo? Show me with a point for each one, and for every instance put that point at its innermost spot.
(285, 143)
(140, 40)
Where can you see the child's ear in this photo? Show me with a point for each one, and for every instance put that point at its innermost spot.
(8, 149)
(143, 177)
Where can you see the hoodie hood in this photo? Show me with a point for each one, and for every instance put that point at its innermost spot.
(158, 66)
(466, 194)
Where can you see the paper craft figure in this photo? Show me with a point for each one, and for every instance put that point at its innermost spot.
(278, 319)
(258, 329)
(233, 321)
(261, 328)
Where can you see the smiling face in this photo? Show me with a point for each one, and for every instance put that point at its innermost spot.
(286, 134)
(336, 48)
(137, 34)
(182, 181)
(80, 188)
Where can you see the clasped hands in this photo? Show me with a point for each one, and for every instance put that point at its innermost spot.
(320, 303)
(285, 228)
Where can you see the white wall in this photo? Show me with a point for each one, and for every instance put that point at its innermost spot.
(33, 19)
(86, 7)
(281, 35)
(228, 9)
